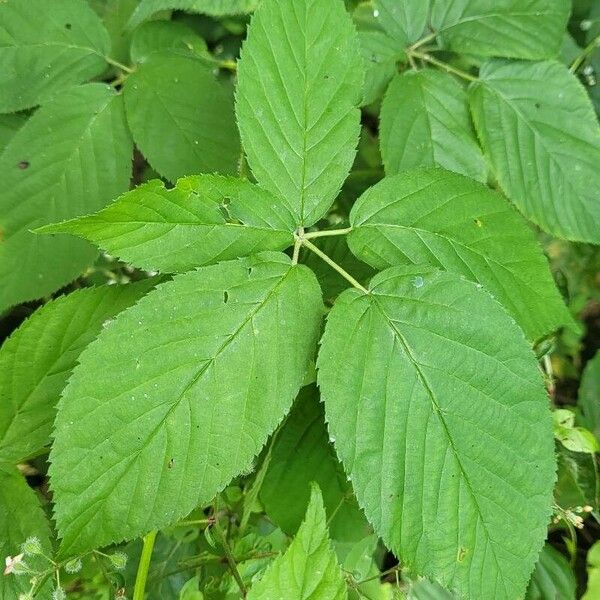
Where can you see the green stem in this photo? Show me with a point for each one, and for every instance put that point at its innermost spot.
(420, 42)
(584, 54)
(230, 560)
(327, 233)
(335, 266)
(144, 565)
(442, 65)
(116, 63)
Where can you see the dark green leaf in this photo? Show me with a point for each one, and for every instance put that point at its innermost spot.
(552, 579)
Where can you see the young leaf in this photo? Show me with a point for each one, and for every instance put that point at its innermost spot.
(21, 517)
(403, 21)
(308, 569)
(425, 122)
(511, 28)
(539, 131)
(37, 359)
(181, 117)
(302, 453)
(46, 47)
(552, 577)
(70, 158)
(443, 219)
(441, 418)
(588, 401)
(203, 220)
(300, 80)
(178, 395)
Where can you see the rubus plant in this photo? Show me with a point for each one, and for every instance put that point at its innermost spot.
(418, 299)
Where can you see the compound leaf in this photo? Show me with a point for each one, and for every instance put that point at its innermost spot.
(425, 122)
(403, 21)
(178, 395)
(37, 360)
(445, 220)
(300, 81)
(441, 418)
(181, 117)
(308, 570)
(70, 158)
(45, 47)
(540, 134)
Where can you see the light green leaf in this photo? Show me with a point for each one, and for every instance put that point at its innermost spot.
(215, 8)
(423, 589)
(576, 439)
(404, 21)
(441, 418)
(531, 29)
(302, 453)
(203, 220)
(425, 122)
(45, 47)
(21, 517)
(446, 220)
(37, 360)
(181, 117)
(539, 131)
(300, 80)
(553, 578)
(588, 401)
(308, 570)
(178, 395)
(9, 125)
(593, 569)
(70, 158)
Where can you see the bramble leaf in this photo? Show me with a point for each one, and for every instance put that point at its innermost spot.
(541, 136)
(552, 577)
(181, 117)
(203, 220)
(37, 360)
(403, 21)
(299, 83)
(308, 569)
(70, 158)
(445, 220)
(425, 122)
(46, 47)
(178, 395)
(441, 418)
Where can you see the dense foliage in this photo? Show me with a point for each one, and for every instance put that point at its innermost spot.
(300, 299)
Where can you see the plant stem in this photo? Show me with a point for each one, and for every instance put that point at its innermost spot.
(335, 266)
(116, 63)
(442, 65)
(230, 559)
(420, 42)
(326, 233)
(585, 53)
(143, 567)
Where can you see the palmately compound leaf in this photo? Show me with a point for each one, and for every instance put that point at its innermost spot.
(445, 220)
(214, 8)
(552, 577)
(531, 29)
(37, 360)
(588, 401)
(178, 395)
(425, 122)
(70, 158)
(441, 418)
(403, 21)
(303, 453)
(181, 117)
(539, 131)
(45, 47)
(203, 220)
(300, 81)
(308, 570)
(21, 517)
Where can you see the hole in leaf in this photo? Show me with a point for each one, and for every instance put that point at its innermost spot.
(478, 223)
(225, 297)
(24, 164)
(249, 270)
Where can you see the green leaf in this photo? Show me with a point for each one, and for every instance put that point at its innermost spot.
(9, 125)
(593, 569)
(511, 28)
(301, 454)
(308, 569)
(45, 47)
(203, 220)
(300, 80)
(425, 122)
(215, 8)
(178, 395)
(552, 578)
(181, 117)
(588, 401)
(21, 517)
(577, 483)
(448, 221)
(540, 134)
(37, 360)
(423, 589)
(441, 418)
(115, 14)
(576, 439)
(70, 158)
(403, 21)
